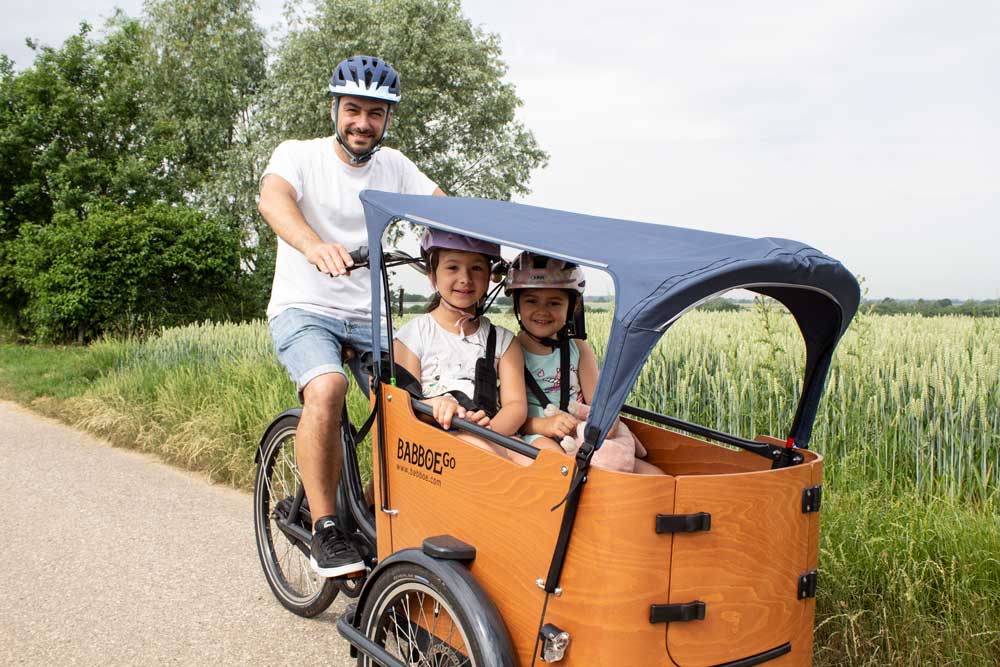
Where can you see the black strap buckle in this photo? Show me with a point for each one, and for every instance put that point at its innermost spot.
(683, 523)
(812, 497)
(673, 613)
(807, 585)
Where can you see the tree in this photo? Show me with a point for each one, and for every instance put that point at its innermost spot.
(456, 119)
(72, 135)
(200, 75)
(719, 305)
(145, 115)
(174, 109)
(203, 73)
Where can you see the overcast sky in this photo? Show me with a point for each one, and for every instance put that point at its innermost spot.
(866, 129)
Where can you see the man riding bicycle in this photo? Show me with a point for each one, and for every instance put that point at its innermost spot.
(309, 197)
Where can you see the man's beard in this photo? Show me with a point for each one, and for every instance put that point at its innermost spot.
(367, 137)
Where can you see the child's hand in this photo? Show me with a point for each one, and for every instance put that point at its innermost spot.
(559, 426)
(478, 417)
(445, 409)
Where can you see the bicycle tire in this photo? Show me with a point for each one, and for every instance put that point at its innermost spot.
(285, 560)
(413, 614)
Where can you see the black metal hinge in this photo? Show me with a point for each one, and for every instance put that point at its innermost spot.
(672, 613)
(807, 585)
(683, 523)
(812, 496)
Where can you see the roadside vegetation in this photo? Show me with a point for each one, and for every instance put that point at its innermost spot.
(910, 427)
(131, 154)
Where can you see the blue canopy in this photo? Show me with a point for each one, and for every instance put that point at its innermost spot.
(659, 272)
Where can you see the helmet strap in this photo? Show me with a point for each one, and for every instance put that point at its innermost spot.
(355, 158)
(490, 298)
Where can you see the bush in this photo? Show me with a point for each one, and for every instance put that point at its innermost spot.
(719, 305)
(122, 271)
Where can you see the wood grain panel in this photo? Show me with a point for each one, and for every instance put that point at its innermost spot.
(745, 569)
(679, 454)
(802, 643)
(500, 507)
(616, 568)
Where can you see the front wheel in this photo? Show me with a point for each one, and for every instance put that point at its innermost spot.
(411, 613)
(282, 540)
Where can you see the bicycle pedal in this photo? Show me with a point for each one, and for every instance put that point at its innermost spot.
(282, 508)
(360, 574)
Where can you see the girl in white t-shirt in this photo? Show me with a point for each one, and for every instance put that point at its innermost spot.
(441, 348)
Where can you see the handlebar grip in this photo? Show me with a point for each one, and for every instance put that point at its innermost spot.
(359, 256)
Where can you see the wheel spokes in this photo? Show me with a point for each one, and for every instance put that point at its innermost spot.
(422, 632)
(282, 482)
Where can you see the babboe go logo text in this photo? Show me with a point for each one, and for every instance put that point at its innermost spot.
(429, 459)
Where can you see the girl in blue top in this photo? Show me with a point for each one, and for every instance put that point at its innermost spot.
(557, 369)
(546, 293)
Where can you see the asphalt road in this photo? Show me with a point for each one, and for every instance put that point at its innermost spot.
(108, 557)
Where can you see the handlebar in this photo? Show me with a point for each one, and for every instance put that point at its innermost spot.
(359, 256)
(391, 258)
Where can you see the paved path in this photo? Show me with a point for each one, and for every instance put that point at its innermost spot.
(108, 557)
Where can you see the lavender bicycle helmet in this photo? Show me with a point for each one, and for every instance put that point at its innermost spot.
(436, 239)
(442, 240)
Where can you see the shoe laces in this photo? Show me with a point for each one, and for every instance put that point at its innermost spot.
(332, 542)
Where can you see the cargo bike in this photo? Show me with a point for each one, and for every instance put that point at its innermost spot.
(476, 560)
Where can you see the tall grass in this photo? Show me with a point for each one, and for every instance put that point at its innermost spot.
(907, 579)
(199, 396)
(911, 402)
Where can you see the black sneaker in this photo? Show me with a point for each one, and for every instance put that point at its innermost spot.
(332, 555)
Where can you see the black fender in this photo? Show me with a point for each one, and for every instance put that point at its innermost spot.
(291, 412)
(487, 625)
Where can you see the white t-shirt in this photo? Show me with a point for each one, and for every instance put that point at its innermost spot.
(447, 360)
(327, 192)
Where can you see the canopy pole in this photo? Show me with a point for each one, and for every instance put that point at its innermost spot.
(388, 319)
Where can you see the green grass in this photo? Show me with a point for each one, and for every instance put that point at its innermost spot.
(910, 426)
(907, 580)
(28, 374)
(198, 396)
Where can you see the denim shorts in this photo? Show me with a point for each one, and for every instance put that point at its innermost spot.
(309, 344)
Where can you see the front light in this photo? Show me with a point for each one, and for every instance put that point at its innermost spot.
(554, 643)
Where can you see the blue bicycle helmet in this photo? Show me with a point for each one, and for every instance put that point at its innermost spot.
(366, 76)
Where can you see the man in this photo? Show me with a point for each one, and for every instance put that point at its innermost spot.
(309, 197)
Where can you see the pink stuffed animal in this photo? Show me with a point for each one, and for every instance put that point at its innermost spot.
(619, 450)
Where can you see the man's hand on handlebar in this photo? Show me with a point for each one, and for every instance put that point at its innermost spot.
(330, 258)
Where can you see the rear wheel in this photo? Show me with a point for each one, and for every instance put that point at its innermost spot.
(411, 614)
(282, 544)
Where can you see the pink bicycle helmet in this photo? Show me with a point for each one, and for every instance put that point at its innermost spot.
(531, 271)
